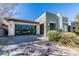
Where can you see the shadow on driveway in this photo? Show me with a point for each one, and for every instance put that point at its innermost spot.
(22, 39)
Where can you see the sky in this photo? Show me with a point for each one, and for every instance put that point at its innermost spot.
(31, 11)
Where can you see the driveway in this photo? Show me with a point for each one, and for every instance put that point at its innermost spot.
(24, 38)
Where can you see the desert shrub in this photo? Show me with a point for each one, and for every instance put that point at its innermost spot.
(77, 41)
(67, 42)
(77, 33)
(61, 30)
(64, 38)
(53, 35)
(68, 38)
(68, 35)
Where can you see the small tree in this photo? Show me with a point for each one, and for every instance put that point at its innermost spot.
(7, 10)
(77, 24)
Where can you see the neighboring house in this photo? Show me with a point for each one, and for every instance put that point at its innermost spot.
(47, 21)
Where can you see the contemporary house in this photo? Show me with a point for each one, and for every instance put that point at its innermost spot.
(47, 21)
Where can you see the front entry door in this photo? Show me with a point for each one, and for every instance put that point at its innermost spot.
(42, 29)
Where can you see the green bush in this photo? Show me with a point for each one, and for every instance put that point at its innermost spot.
(68, 38)
(61, 30)
(77, 33)
(53, 35)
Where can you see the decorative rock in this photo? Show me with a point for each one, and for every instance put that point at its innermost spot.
(35, 48)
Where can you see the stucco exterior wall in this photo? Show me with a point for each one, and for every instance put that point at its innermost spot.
(50, 18)
(41, 19)
(60, 21)
(11, 28)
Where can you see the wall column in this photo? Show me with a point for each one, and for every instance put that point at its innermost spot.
(38, 29)
(11, 28)
(60, 22)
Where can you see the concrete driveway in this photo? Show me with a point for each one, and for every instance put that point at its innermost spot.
(24, 38)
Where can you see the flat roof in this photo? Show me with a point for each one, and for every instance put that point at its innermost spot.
(20, 20)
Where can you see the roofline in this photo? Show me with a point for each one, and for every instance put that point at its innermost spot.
(4, 25)
(20, 20)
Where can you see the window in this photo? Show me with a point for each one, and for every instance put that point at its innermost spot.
(52, 26)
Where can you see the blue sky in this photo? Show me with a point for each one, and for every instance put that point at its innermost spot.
(31, 11)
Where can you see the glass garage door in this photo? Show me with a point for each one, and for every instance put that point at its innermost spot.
(25, 29)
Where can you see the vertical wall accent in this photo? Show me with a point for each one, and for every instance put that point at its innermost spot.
(50, 18)
(60, 21)
(11, 28)
(38, 29)
(45, 28)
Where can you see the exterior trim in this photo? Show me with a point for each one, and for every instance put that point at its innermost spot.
(20, 20)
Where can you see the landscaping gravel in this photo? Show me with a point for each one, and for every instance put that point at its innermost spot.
(36, 48)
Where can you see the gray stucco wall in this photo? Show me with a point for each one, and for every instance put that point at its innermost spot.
(50, 18)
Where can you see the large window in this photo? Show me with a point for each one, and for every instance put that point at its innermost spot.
(24, 29)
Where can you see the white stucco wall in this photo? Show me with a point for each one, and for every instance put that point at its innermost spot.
(41, 19)
(60, 21)
(38, 29)
(11, 28)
